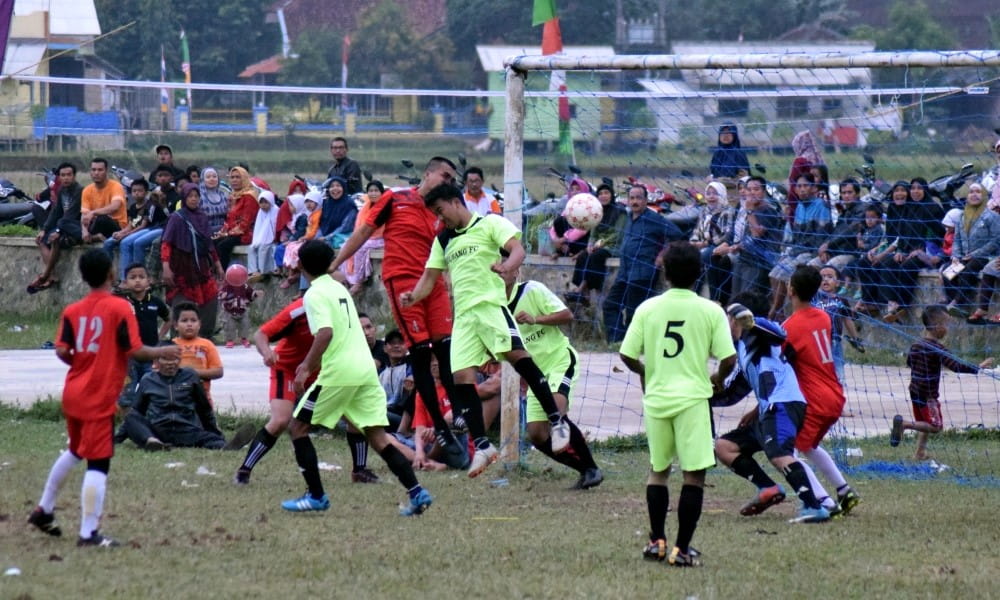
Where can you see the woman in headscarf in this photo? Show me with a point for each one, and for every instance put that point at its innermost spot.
(977, 243)
(905, 221)
(591, 266)
(214, 198)
(339, 212)
(729, 160)
(260, 259)
(313, 214)
(711, 230)
(807, 155)
(238, 228)
(358, 268)
(189, 259)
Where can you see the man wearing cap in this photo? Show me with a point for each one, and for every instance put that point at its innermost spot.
(165, 158)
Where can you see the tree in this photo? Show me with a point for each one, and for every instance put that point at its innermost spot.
(225, 36)
(911, 27)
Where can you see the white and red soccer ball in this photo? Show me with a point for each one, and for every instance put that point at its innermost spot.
(584, 211)
(236, 275)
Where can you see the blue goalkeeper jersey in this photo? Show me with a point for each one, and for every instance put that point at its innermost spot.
(765, 367)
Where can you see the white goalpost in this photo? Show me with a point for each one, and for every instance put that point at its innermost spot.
(693, 96)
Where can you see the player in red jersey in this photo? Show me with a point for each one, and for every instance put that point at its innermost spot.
(410, 229)
(96, 337)
(809, 348)
(291, 330)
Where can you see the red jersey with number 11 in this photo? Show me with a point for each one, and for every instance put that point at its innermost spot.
(101, 331)
(809, 347)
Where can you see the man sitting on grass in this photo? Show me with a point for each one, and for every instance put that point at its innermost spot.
(171, 409)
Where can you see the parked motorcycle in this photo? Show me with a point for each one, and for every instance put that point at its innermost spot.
(944, 187)
(27, 211)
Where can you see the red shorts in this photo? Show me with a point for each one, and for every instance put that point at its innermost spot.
(813, 430)
(426, 320)
(91, 439)
(929, 412)
(283, 385)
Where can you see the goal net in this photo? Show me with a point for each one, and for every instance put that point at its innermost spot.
(909, 135)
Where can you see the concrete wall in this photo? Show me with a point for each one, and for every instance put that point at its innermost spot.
(20, 263)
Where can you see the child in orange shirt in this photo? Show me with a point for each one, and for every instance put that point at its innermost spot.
(197, 352)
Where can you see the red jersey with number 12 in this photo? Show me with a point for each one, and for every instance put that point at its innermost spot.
(410, 229)
(810, 338)
(101, 331)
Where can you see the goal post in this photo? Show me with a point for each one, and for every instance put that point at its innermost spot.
(769, 95)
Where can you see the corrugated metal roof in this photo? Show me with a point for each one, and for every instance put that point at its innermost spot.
(66, 17)
(492, 57)
(22, 58)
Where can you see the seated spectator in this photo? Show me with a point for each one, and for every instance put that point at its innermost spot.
(567, 240)
(807, 156)
(214, 199)
(977, 242)
(729, 160)
(915, 221)
(165, 160)
(591, 267)
(376, 345)
(260, 258)
(339, 212)
(242, 214)
(146, 219)
(841, 248)
(712, 228)
(873, 248)
(760, 246)
(61, 229)
(310, 219)
(425, 449)
(397, 380)
(721, 275)
(171, 409)
(811, 226)
(193, 174)
(163, 181)
(476, 198)
(358, 268)
(102, 204)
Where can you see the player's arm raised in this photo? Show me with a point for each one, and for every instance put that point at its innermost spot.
(515, 256)
(361, 234)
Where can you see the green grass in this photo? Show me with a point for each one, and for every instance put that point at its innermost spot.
(27, 332)
(198, 536)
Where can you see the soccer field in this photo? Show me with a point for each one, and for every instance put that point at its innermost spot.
(509, 535)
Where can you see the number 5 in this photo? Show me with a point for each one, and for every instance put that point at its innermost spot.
(675, 337)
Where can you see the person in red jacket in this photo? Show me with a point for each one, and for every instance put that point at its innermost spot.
(243, 207)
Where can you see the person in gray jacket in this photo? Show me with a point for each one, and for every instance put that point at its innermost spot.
(171, 409)
(977, 243)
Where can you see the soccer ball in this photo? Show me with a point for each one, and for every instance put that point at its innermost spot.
(236, 275)
(584, 211)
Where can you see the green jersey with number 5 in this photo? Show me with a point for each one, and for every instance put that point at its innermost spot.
(347, 361)
(676, 333)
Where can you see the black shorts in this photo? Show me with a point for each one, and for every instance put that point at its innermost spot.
(70, 233)
(773, 432)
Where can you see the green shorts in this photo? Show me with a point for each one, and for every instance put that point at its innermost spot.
(481, 334)
(362, 405)
(686, 435)
(561, 378)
